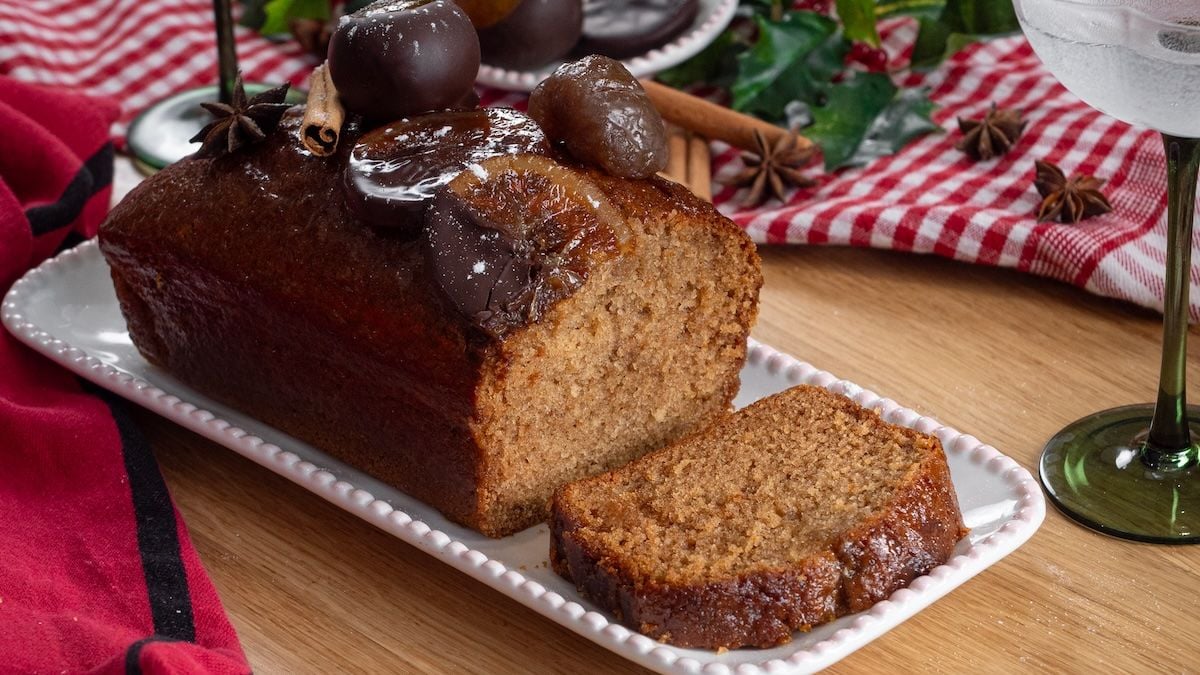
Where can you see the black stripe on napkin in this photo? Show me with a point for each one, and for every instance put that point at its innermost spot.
(95, 175)
(157, 529)
(72, 240)
(133, 655)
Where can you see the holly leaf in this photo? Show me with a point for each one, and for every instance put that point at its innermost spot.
(905, 118)
(842, 120)
(797, 63)
(980, 17)
(866, 117)
(253, 14)
(858, 20)
(919, 8)
(932, 42)
(960, 23)
(827, 60)
(773, 72)
(716, 64)
(765, 8)
(279, 14)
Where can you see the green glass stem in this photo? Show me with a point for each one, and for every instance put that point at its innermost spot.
(1170, 442)
(227, 66)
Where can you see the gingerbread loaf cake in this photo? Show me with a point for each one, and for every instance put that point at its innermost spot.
(798, 509)
(248, 277)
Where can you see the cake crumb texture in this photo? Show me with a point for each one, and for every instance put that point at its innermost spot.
(796, 510)
(645, 353)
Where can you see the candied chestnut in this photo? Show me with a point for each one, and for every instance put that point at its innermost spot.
(394, 171)
(623, 28)
(599, 112)
(534, 34)
(514, 235)
(396, 58)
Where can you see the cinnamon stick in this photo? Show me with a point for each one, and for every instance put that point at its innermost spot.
(699, 167)
(689, 162)
(677, 155)
(323, 116)
(709, 120)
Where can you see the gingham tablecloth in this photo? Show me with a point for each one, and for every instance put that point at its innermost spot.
(929, 198)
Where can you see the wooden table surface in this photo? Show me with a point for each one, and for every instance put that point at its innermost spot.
(1001, 355)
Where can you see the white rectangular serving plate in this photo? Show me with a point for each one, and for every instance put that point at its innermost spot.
(67, 310)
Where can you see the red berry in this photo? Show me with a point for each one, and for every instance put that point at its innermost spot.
(818, 6)
(873, 59)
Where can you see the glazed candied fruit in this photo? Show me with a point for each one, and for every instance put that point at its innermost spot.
(601, 115)
(395, 170)
(512, 235)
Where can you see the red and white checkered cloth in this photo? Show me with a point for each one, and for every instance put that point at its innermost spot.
(929, 198)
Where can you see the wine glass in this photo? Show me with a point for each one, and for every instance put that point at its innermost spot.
(159, 135)
(1132, 471)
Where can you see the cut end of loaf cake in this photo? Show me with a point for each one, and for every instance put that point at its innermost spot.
(796, 510)
(645, 352)
(273, 297)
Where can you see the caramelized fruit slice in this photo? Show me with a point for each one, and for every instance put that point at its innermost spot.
(395, 170)
(601, 114)
(511, 236)
(487, 13)
(624, 28)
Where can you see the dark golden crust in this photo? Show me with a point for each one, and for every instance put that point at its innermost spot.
(759, 610)
(916, 532)
(307, 341)
(303, 341)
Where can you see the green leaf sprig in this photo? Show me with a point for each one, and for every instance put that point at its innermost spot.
(274, 17)
(780, 62)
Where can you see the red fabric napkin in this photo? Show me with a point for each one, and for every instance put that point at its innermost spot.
(97, 573)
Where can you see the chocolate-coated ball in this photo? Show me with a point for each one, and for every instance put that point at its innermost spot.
(396, 58)
(534, 34)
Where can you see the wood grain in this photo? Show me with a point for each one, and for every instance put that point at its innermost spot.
(1001, 355)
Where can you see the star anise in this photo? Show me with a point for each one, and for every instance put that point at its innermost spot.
(991, 136)
(242, 121)
(1068, 201)
(773, 167)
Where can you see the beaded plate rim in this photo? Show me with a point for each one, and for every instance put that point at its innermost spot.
(1028, 512)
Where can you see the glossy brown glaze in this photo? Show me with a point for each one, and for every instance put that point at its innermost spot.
(249, 278)
(394, 171)
(760, 610)
(599, 112)
(513, 235)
